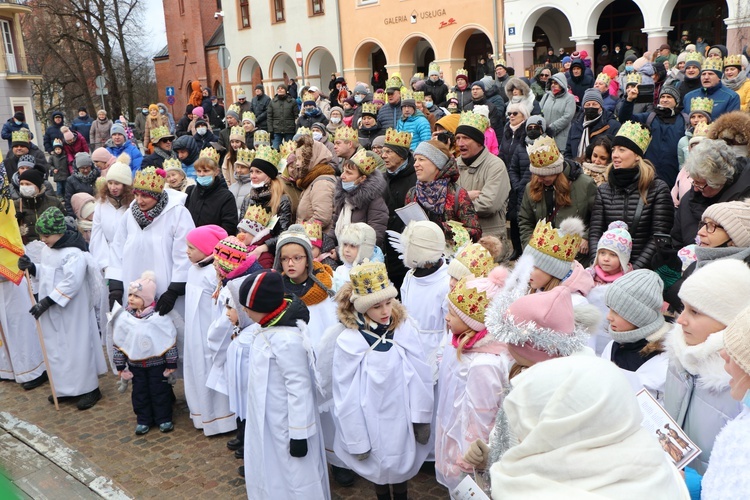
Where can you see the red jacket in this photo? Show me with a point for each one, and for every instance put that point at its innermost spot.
(79, 146)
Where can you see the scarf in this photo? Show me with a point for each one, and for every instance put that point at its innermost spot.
(164, 154)
(432, 195)
(89, 178)
(604, 277)
(706, 255)
(585, 138)
(736, 82)
(115, 201)
(144, 313)
(376, 335)
(515, 127)
(144, 219)
(456, 340)
(624, 177)
(314, 173)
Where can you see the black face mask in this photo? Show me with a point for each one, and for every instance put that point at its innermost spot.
(533, 134)
(591, 113)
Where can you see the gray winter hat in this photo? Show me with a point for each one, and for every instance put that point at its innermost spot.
(592, 95)
(637, 298)
(83, 160)
(537, 120)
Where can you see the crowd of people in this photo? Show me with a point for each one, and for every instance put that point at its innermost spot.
(405, 275)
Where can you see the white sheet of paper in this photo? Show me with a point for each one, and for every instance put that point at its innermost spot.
(468, 489)
(411, 212)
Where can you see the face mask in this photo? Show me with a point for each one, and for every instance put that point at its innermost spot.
(257, 185)
(317, 136)
(205, 181)
(161, 111)
(629, 68)
(17, 122)
(335, 120)
(309, 112)
(359, 98)
(348, 186)
(201, 130)
(533, 134)
(144, 111)
(590, 113)
(428, 104)
(27, 191)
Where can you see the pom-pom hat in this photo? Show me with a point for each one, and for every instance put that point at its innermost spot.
(360, 235)
(617, 239)
(149, 181)
(554, 249)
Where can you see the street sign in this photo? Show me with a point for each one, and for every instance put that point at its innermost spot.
(224, 57)
(170, 91)
(100, 82)
(170, 100)
(102, 92)
(298, 49)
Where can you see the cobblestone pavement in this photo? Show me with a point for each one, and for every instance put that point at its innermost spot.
(182, 463)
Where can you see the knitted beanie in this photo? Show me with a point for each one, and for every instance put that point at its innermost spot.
(719, 290)
(555, 249)
(423, 242)
(119, 172)
(737, 341)
(592, 94)
(83, 160)
(52, 221)
(117, 128)
(27, 161)
(101, 154)
(67, 134)
(144, 287)
(432, 153)
(360, 235)
(294, 234)
(617, 239)
(734, 217)
(370, 285)
(83, 205)
(262, 291)
(205, 238)
(472, 296)
(637, 298)
(33, 176)
(544, 157)
(672, 91)
(229, 254)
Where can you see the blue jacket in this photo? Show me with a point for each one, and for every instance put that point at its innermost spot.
(9, 127)
(389, 115)
(136, 157)
(725, 100)
(419, 127)
(662, 150)
(83, 127)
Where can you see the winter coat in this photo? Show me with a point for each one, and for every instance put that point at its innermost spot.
(366, 136)
(136, 157)
(744, 92)
(487, 174)
(511, 140)
(616, 203)
(458, 206)
(240, 190)
(688, 215)
(496, 119)
(727, 473)
(582, 196)
(367, 205)
(53, 132)
(204, 141)
(28, 211)
(418, 126)
(9, 127)
(438, 89)
(308, 120)
(59, 163)
(75, 185)
(15, 188)
(282, 113)
(605, 125)
(725, 99)
(156, 159)
(284, 212)
(11, 161)
(581, 84)
(182, 126)
(214, 204)
(79, 146)
(152, 123)
(389, 115)
(140, 125)
(99, 133)
(397, 187)
(559, 111)
(316, 201)
(463, 97)
(519, 173)
(259, 106)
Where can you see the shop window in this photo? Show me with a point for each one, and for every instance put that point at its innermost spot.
(317, 7)
(278, 11)
(244, 14)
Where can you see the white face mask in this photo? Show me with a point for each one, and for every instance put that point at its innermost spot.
(335, 120)
(257, 185)
(27, 191)
(317, 136)
(201, 130)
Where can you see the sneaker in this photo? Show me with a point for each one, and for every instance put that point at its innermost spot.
(234, 444)
(89, 399)
(33, 384)
(239, 454)
(141, 429)
(241, 470)
(343, 477)
(166, 427)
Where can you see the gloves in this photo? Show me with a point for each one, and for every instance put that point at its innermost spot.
(25, 264)
(362, 456)
(115, 292)
(40, 307)
(167, 300)
(477, 454)
(298, 447)
(422, 433)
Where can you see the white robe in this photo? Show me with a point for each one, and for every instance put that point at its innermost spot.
(20, 352)
(238, 369)
(209, 409)
(281, 406)
(378, 396)
(652, 374)
(71, 334)
(217, 342)
(322, 317)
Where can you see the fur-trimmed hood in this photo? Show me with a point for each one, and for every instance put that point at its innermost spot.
(348, 316)
(371, 188)
(732, 128)
(516, 83)
(703, 360)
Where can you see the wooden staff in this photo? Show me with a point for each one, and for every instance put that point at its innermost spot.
(41, 341)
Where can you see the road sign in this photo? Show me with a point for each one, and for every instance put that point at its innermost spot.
(102, 91)
(224, 57)
(298, 49)
(100, 82)
(170, 100)
(170, 91)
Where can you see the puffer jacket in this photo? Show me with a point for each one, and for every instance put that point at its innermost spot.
(582, 196)
(388, 116)
(605, 125)
(438, 89)
(75, 185)
(367, 204)
(487, 173)
(136, 157)
(617, 203)
(259, 105)
(397, 187)
(316, 200)
(240, 190)
(59, 167)
(463, 96)
(282, 114)
(511, 140)
(519, 173)
(308, 120)
(262, 197)
(418, 126)
(458, 206)
(213, 205)
(558, 111)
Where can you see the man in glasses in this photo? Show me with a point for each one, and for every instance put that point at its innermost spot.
(390, 114)
(162, 142)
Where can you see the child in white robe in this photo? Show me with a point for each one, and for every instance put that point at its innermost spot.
(356, 243)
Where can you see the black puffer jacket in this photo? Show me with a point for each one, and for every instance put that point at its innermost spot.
(618, 203)
(510, 142)
(438, 89)
(262, 197)
(214, 204)
(398, 186)
(518, 171)
(75, 185)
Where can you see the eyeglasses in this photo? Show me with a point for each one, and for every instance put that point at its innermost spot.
(293, 260)
(512, 113)
(700, 187)
(710, 226)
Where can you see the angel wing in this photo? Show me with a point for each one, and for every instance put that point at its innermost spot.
(395, 240)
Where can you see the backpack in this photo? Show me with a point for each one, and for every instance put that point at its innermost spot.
(652, 115)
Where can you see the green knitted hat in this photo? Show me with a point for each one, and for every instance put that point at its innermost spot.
(52, 221)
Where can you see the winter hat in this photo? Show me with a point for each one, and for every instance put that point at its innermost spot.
(398, 142)
(237, 134)
(83, 160)
(263, 292)
(476, 259)
(432, 153)
(670, 90)
(433, 70)
(637, 298)
(719, 290)
(370, 285)
(737, 341)
(566, 60)
(482, 109)
(57, 143)
(702, 105)
(617, 239)
(555, 249)
(473, 126)
(26, 161)
(229, 254)
(205, 238)
(378, 142)
(687, 256)
(234, 114)
(153, 107)
(360, 88)
(423, 243)
(102, 155)
(716, 50)
(117, 128)
(544, 157)
(322, 127)
(144, 288)
(479, 84)
(294, 234)
(634, 136)
(537, 120)
(83, 205)
(713, 64)
(33, 176)
(266, 160)
(198, 111)
(471, 297)
(682, 57)
(120, 170)
(734, 217)
(693, 59)
(18, 115)
(360, 235)
(592, 94)
(149, 181)
(68, 136)
(52, 221)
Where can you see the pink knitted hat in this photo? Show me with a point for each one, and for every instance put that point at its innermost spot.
(101, 154)
(144, 287)
(205, 238)
(198, 111)
(229, 254)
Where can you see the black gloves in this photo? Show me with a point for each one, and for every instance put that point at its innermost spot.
(25, 264)
(40, 307)
(422, 433)
(298, 447)
(167, 300)
(115, 292)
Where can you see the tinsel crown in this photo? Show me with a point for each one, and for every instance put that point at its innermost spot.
(477, 259)
(474, 120)
(634, 78)
(211, 153)
(543, 152)
(705, 104)
(345, 134)
(369, 277)
(366, 164)
(637, 133)
(248, 115)
(552, 242)
(396, 138)
(470, 301)
(267, 153)
(245, 156)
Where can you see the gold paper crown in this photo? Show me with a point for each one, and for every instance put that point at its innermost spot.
(241, 91)
(369, 277)
(211, 153)
(236, 108)
(550, 241)
(469, 300)
(394, 82)
(633, 78)
(474, 120)
(22, 135)
(286, 148)
(313, 230)
(418, 76)
(636, 133)
(304, 131)
(543, 152)
(701, 130)
(369, 108)
(245, 156)
(395, 138)
(451, 95)
(159, 133)
(407, 95)
(693, 56)
(257, 213)
(499, 60)
(477, 259)
(418, 96)
(462, 72)
(267, 153)
(433, 67)
(705, 104)
(309, 96)
(248, 115)
(172, 164)
(346, 134)
(733, 60)
(603, 77)
(237, 131)
(366, 164)
(713, 64)
(147, 179)
(261, 137)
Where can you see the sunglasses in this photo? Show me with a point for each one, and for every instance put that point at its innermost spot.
(512, 113)
(544, 75)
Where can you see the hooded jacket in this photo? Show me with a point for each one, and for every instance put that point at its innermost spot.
(367, 205)
(136, 157)
(559, 111)
(605, 125)
(580, 84)
(438, 89)
(28, 211)
(418, 126)
(75, 185)
(83, 126)
(9, 127)
(214, 204)
(527, 98)
(79, 146)
(53, 132)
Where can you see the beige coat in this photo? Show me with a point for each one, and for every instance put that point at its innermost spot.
(316, 201)
(488, 175)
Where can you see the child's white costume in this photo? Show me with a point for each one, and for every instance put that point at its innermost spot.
(20, 353)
